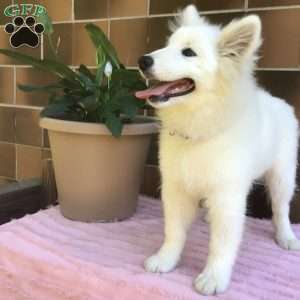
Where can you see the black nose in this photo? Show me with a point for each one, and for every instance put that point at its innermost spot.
(145, 62)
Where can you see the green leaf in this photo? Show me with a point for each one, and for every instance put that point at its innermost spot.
(124, 74)
(129, 106)
(56, 110)
(62, 99)
(40, 88)
(70, 84)
(100, 57)
(84, 70)
(88, 84)
(101, 42)
(128, 78)
(114, 124)
(100, 74)
(47, 22)
(90, 103)
(59, 69)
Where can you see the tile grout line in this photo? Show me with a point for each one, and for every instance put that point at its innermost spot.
(15, 139)
(7, 178)
(24, 145)
(271, 8)
(43, 139)
(42, 46)
(16, 162)
(108, 28)
(73, 11)
(15, 85)
(148, 8)
(221, 11)
(9, 105)
(278, 69)
(80, 21)
(108, 19)
(17, 66)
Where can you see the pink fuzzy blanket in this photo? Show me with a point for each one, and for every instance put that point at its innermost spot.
(45, 256)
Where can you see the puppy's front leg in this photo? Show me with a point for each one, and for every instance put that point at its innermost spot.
(179, 212)
(226, 219)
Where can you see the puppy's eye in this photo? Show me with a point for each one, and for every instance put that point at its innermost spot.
(188, 52)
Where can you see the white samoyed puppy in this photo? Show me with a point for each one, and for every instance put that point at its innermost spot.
(220, 132)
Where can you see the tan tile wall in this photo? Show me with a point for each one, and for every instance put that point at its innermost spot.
(135, 27)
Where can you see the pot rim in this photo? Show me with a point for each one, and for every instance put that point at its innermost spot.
(149, 127)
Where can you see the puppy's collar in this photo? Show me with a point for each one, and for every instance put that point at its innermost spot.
(174, 132)
(179, 134)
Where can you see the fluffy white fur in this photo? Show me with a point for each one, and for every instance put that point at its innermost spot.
(217, 140)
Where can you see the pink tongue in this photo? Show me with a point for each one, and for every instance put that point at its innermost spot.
(158, 90)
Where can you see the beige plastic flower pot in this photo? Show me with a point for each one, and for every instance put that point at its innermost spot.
(98, 176)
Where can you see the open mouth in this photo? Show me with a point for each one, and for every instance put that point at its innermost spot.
(163, 91)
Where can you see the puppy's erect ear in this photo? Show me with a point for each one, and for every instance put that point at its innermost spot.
(240, 38)
(190, 16)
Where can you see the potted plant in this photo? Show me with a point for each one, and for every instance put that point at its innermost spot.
(99, 143)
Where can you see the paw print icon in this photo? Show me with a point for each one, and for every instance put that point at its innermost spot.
(24, 32)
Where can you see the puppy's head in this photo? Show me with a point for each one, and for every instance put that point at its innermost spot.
(194, 56)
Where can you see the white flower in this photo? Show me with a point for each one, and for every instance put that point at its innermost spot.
(108, 69)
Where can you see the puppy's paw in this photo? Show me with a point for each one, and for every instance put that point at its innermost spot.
(288, 243)
(210, 283)
(159, 264)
